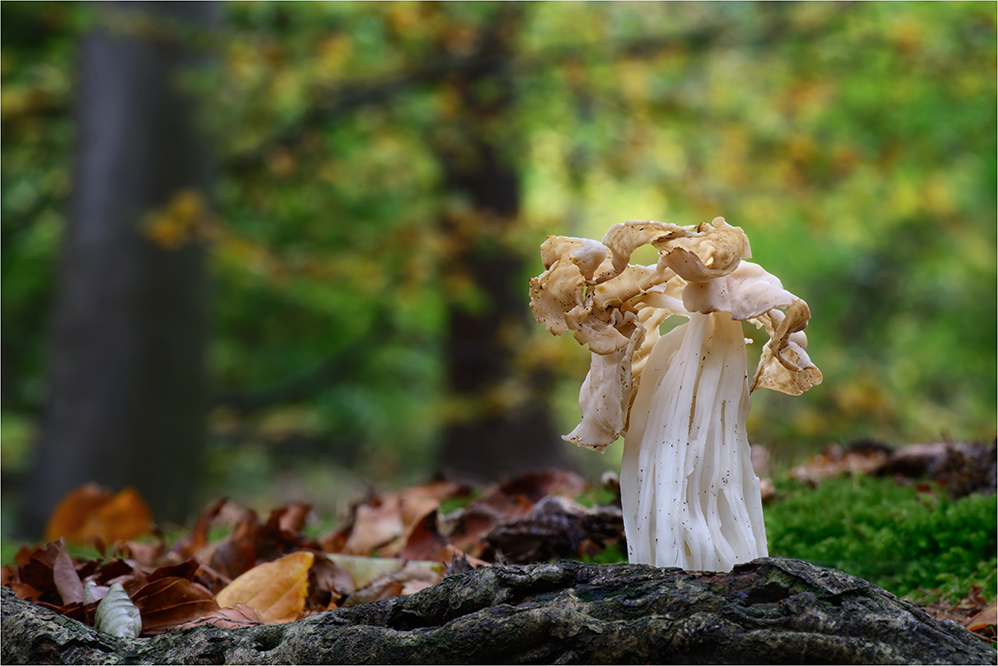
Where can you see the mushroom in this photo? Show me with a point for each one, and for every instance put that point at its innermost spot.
(690, 496)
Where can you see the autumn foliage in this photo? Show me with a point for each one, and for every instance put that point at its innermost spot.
(273, 570)
(270, 571)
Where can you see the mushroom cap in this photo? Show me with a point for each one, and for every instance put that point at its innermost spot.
(616, 308)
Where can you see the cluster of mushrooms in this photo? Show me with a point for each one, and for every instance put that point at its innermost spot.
(690, 496)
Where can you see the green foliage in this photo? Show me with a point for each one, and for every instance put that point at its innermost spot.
(890, 535)
(614, 552)
(853, 142)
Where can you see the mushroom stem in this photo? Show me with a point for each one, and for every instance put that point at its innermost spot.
(690, 496)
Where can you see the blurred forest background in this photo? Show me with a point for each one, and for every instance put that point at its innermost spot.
(280, 251)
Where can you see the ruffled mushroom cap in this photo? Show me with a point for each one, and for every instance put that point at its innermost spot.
(615, 308)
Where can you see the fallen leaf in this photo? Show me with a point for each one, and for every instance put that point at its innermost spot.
(417, 501)
(76, 610)
(548, 482)
(425, 541)
(467, 527)
(117, 614)
(375, 525)
(988, 616)
(555, 528)
(198, 537)
(112, 570)
(336, 540)
(859, 458)
(71, 513)
(413, 586)
(329, 582)
(231, 617)
(238, 553)
(383, 590)
(397, 579)
(67, 581)
(24, 591)
(186, 569)
(25, 553)
(168, 602)
(291, 518)
(211, 579)
(90, 511)
(274, 541)
(362, 570)
(145, 553)
(38, 571)
(276, 590)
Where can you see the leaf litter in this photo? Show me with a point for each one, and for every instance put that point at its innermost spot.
(388, 545)
(271, 571)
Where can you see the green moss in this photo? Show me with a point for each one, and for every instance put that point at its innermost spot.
(891, 535)
(598, 496)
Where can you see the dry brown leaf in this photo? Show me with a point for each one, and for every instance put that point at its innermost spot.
(89, 511)
(413, 586)
(186, 569)
(38, 570)
(146, 554)
(377, 578)
(988, 616)
(328, 583)
(375, 526)
(377, 592)
(64, 575)
(834, 460)
(231, 617)
(545, 483)
(71, 513)
(468, 527)
(169, 602)
(276, 590)
(417, 501)
(398, 577)
(363, 570)
(424, 541)
(291, 518)
(111, 571)
(24, 591)
(238, 553)
(274, 541)
(198, 537)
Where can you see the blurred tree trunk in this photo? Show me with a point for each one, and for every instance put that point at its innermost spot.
(127, 382)
(503, 426)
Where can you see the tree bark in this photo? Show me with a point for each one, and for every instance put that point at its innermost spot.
(769, 611)
(495, 437)
(127, 381)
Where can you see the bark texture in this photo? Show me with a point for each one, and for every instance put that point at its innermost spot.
(767, 611)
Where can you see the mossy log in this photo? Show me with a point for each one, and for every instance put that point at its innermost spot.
(767, 611)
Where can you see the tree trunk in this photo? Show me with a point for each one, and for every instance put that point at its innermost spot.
(769, 611)
(127, 381)
(498, 435)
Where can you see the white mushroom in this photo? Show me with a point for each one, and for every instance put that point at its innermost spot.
(690, 496)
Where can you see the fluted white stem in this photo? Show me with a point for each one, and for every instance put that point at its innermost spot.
(690, 496)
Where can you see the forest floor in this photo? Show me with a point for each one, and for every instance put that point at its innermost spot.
(919, 522)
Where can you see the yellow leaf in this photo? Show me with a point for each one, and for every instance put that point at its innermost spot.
(276, 590)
